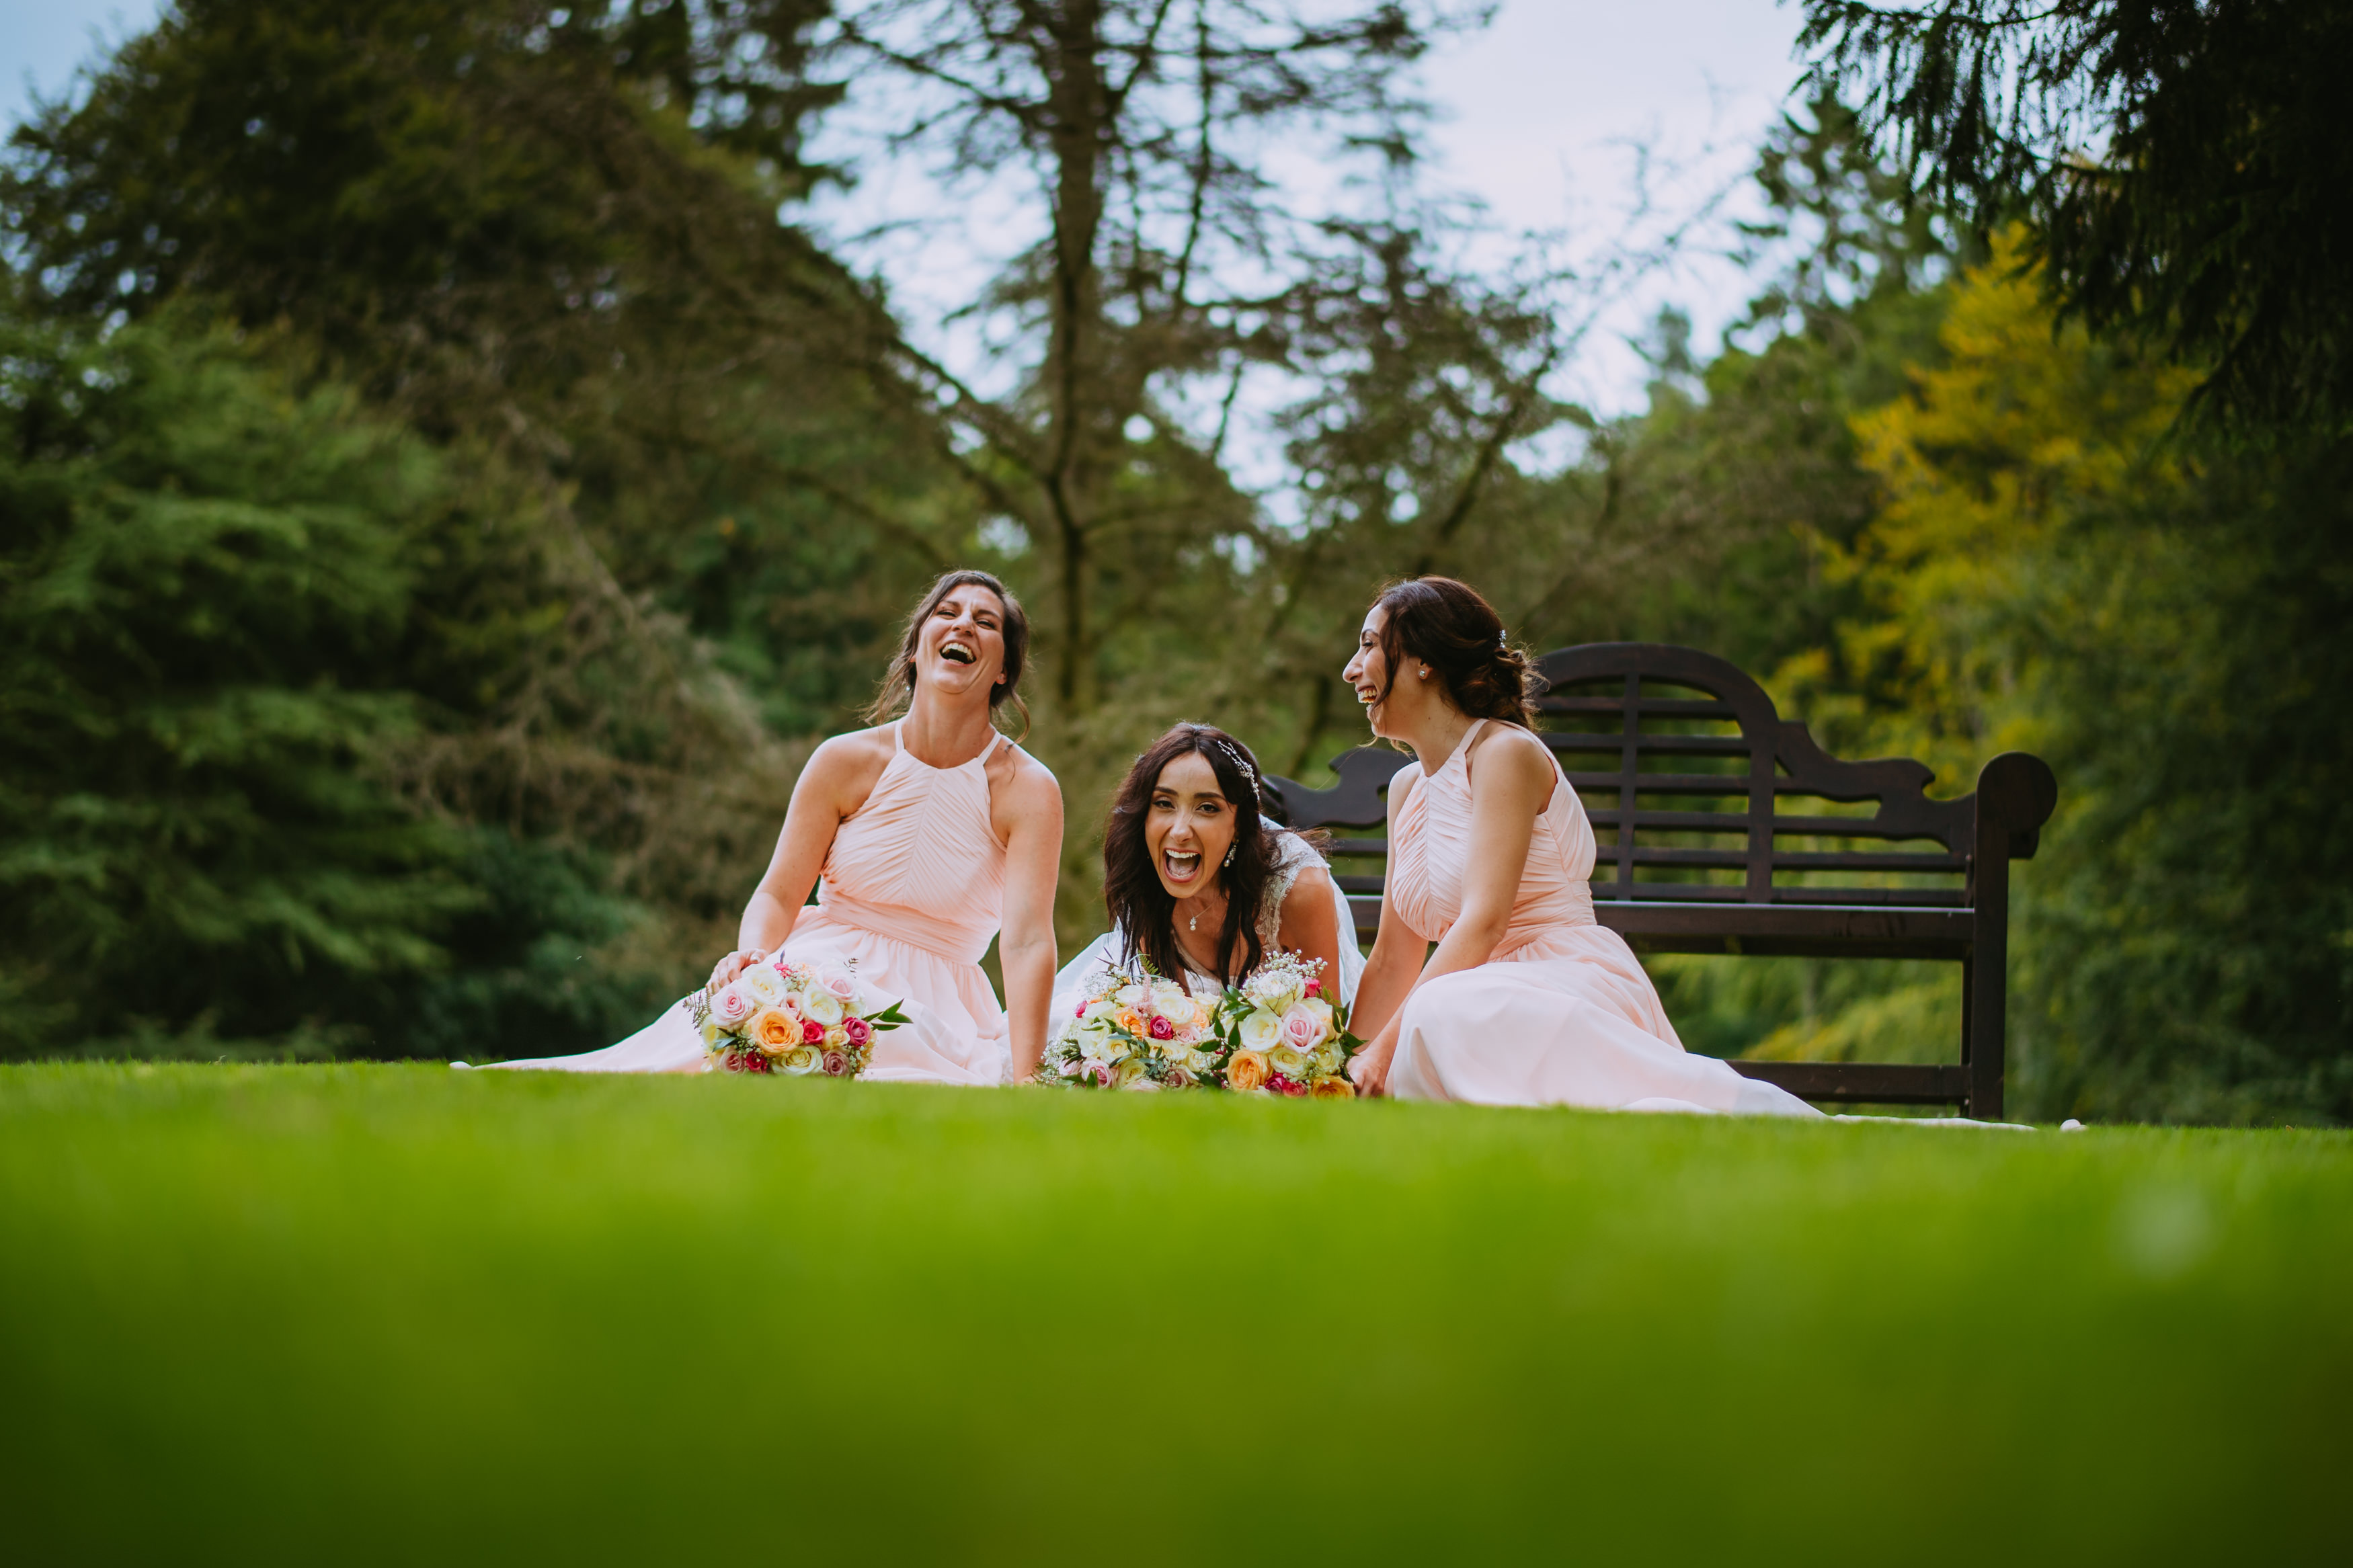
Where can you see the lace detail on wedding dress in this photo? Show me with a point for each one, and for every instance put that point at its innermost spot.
(1295, 855)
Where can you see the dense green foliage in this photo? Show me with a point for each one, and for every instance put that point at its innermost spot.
(2183, 163)
(216, 607)
(550, 253)
(516, 1318)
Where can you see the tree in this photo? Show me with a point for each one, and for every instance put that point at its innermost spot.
(549, 243)
(2181, 162)
(1180, 294)
(2046, 571)
(201, 590)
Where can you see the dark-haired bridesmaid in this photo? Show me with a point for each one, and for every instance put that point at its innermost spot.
(1525, 1000)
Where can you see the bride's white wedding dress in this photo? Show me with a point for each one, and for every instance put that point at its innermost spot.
(912, 893)
(1294, 856)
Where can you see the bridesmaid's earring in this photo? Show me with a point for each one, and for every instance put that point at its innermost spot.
(1425, 672)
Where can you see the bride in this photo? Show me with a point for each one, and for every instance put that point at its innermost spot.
(932, 835)
(1199, 885)
(1525, 1000)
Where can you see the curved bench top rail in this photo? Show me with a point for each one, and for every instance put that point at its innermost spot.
(1609, 690)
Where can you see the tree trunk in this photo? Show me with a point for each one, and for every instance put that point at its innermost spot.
(1073, 64)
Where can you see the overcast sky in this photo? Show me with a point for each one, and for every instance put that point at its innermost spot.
(1538, 112)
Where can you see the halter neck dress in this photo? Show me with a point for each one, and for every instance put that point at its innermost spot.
(912, 893)
(1561, 1012)
(1293, 855)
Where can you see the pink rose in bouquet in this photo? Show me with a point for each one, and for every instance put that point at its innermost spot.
(734, 1007)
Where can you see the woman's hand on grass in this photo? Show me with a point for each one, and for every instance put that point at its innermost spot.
(1370, 1067)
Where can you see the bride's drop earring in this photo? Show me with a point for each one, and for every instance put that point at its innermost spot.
(1230, 854)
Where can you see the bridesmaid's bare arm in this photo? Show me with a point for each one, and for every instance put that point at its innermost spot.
(1389, 973)
(1027, 809)
(836, 781)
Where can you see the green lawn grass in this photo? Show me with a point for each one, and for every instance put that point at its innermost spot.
(360, 1313)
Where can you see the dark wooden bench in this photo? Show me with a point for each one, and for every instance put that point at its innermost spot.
(1699, 794)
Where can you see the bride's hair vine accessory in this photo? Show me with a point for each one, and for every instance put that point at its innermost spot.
(1235, 756)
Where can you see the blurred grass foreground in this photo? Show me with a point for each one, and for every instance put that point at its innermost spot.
(366, 1313)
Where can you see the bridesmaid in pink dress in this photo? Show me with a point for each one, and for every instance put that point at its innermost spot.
(1525, 1000)
(932, 835)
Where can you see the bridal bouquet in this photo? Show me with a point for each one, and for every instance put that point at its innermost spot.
(1282, 1033)
(793, 1019)
(1133, 1030)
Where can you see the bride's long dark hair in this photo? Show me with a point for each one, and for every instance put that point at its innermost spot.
(1139, 905)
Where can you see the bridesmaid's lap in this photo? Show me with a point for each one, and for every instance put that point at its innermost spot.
(1555, 1032)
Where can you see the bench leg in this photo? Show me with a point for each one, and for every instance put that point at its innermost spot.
(1985, 976)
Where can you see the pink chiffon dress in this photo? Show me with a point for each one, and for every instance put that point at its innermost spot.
(1561, 1012)
(912, 893)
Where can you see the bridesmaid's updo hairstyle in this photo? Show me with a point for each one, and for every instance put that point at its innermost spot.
(899, 684)
(1448, 626)
(1139, 905)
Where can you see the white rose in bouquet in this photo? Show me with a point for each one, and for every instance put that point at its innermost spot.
(1275, 990)
(822, 1005)
(764, 984)
(1261, 1031)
